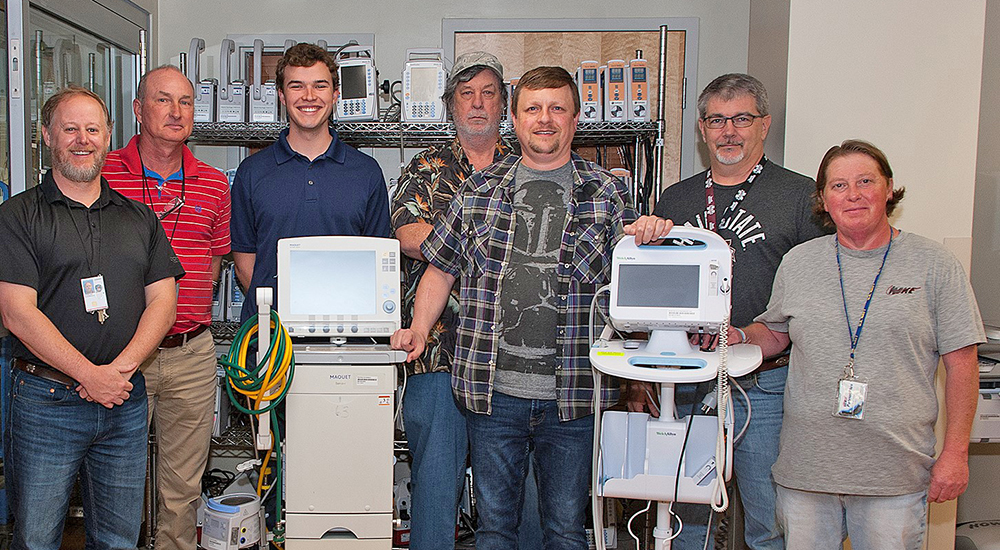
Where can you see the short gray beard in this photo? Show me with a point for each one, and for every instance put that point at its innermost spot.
(729, 161)
(461, 128)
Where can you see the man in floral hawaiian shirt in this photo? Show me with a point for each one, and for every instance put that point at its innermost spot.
(435, 428)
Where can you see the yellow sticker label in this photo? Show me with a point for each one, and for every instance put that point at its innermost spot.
(617, 353)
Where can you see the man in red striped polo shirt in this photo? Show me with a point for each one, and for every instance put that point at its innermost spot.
(191, 199)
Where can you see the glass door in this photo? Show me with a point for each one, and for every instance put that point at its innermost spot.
(63, 54)
(97, 44)
(4, 114)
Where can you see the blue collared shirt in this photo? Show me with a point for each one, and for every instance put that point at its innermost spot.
(279, 193)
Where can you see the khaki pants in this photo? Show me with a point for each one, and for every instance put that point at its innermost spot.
(180, 383)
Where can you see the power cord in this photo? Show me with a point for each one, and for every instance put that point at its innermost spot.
(670, 511)
(214, 481)
(720, 500)
(628, 525)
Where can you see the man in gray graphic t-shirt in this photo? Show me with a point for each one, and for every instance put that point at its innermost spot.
(530, 239)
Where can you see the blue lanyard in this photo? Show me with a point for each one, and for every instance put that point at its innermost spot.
(856, 335)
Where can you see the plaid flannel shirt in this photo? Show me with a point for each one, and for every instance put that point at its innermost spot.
(473, 242)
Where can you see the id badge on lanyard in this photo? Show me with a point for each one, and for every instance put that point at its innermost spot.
(852, 390)
(95, 296)
(851, 393)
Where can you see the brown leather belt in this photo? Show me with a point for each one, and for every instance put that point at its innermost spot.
(43, 371)
(175, 340)
(773, 363)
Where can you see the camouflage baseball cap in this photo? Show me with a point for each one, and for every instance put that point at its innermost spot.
(474, 59)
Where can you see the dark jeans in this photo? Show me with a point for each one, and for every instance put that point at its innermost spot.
(53, 435)
(499, 450)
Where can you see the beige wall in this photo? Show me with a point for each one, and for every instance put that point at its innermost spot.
(904, 74)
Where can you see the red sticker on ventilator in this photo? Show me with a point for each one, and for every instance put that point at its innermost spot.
(385, 400)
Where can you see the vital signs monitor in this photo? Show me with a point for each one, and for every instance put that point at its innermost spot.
(682, 284)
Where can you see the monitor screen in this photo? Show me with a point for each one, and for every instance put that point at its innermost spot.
(332, 282)
(353, 82)
(589, 75)
(638, 74)
(423, 83)
(616, 74)
(658, 285)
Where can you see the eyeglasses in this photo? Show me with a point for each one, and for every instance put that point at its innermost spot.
(170, 207)
(739, 121)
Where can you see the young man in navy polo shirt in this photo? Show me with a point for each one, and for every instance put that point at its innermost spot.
(309, 182)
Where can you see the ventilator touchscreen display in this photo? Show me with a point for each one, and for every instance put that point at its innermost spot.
(329, 283)
(658, 285)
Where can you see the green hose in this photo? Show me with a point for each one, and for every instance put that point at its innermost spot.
(252, 380)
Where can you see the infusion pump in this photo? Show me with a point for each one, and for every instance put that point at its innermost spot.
(638, 89)
(589, 84)
(615, 91)
(358, 86)
(424, 80)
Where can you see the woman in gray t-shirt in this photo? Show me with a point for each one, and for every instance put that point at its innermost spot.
(869, 312)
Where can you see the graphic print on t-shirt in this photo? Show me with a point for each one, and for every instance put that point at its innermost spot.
(529, 294)
(739, 228)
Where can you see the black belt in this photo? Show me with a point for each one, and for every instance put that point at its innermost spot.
(43, 371)
(175, 340)
(773, 363)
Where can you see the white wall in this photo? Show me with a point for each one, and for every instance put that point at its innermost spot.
(903, 74)
(401, 24)
(768, 61)
(986, 220)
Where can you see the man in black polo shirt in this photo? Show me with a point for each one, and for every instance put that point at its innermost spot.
(87, 287)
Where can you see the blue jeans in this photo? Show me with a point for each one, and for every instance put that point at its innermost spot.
(438, 441)
(500, 448)
(529, 534)
(753, 457)
(820, 521)
(54, 434)
(439, 444)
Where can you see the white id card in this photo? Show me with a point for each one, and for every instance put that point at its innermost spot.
(95, 297)
(851, 398)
